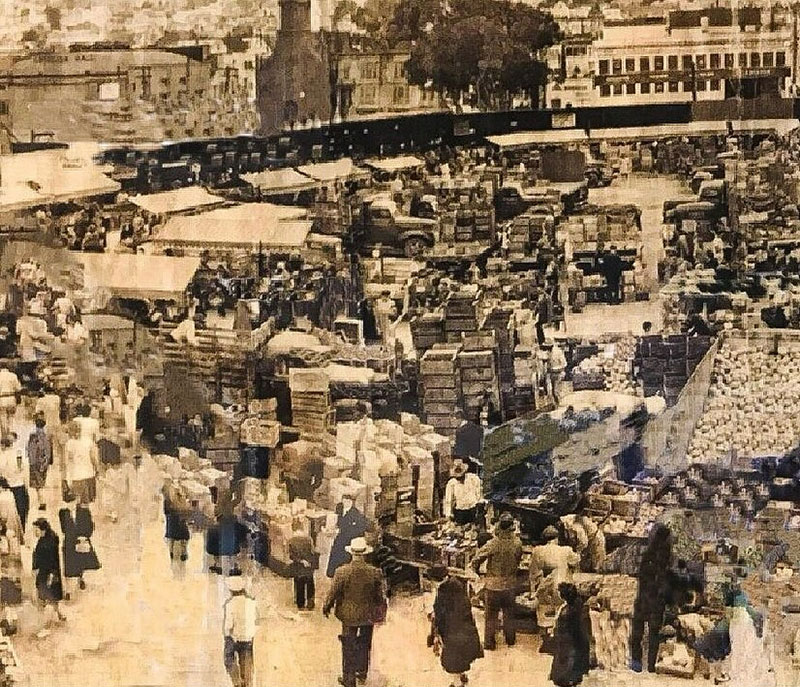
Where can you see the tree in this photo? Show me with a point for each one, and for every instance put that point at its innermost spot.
(491, 46)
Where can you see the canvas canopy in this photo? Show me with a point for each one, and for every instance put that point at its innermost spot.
(177, 200)
(138, 276)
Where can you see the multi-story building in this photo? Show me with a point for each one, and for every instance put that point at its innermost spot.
(704, 56)
(120, 95)
(371, 79)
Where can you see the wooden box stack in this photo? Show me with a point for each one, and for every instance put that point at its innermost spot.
(460, 316)
(311, 401)
(478, 376)
(519, 237)
(465, 224)
(427, 330)
(500, 320)
(440, 384)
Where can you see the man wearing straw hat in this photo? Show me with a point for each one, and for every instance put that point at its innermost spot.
(241, 617)
(462, 494)
(358, 599)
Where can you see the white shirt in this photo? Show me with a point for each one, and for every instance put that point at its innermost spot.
(462, 495)
(241, 616)
(89, 426)
(9, 387)
(78, 458)
(15, 472)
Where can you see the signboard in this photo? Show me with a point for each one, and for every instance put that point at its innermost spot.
(108, 91)
(686, 75)
(563, 120)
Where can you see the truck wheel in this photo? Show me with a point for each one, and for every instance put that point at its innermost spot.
(414, 248)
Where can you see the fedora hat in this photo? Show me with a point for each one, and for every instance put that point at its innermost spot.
(358, 547)
(459, 468)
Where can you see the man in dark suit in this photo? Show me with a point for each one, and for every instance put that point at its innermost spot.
(612, 270)
(359, 601)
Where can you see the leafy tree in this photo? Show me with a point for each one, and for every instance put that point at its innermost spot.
(491, 46)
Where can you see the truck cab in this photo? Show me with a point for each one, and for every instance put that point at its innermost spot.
(381, 223)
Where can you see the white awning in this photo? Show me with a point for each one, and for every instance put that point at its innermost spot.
(249, 225)
(280, 181)
(178, 200)
(524, 139)
(331, 171)
(137, 276)
(395, 164)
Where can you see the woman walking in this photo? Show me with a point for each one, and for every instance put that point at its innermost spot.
(40, 458)
(453, 635)
(10, 579)
(80, 458)
(48, 571)
(79, 554)
(222, 538)
(176, 509)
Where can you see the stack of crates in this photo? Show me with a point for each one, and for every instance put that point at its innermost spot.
(440, 383)
(460, 316)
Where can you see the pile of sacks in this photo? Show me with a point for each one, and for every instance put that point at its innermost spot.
(194, 477)
(614, 363)
(752, 406)
(369, 450)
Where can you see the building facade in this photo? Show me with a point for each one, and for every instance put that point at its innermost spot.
(122, 95)
(691, 56)
(293, 83)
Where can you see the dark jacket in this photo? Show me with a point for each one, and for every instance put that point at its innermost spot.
(502, 554)
(357, 594)
(455, 625)
(301, 550)
(352, 524)
(612, 268)
(48, 569)
(76, 562)
(571, 657)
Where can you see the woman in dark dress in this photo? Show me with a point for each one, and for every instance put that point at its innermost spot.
(47, 566)
(453, 631)
(352, 523)
(571, 639)
(176, 510)
(79, 554)
(222, 538)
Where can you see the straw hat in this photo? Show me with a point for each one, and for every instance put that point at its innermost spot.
(358, 547)
(235, 584)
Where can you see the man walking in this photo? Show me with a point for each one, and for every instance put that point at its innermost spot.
(502, 555)
(359, 601)
(241, 617)
(612, 271)
(304, 560)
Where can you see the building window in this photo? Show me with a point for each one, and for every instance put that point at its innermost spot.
(605, 91)
(644, 64)
(602, 67)
(673, 86)
(755, 59)
(767, 59)
(729, 64)
(369, 71)
(714, 84)
(630, 64)
(368, 95)
(742, 59)
(672, 63)
(3, 107)
(616, 66)
(701, 85)
(399, 70)
(700, 61)
(687, 87)
(400, 94)
(658, 63)
(644, 88)
(630, 88)
(713, 60)
(687, 62)
(780, 59)
(617, 89)
(659, 87)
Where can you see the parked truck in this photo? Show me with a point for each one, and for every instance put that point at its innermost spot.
(379, 222)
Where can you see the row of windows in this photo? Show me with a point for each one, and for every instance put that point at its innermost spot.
(659, 87)
(660, 63)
